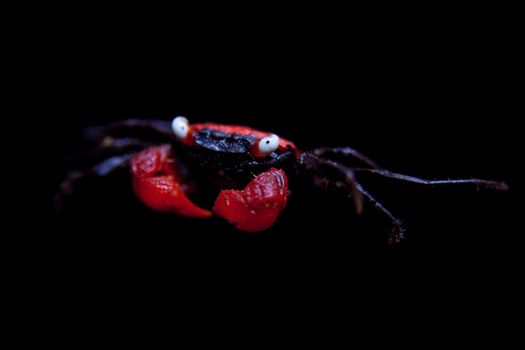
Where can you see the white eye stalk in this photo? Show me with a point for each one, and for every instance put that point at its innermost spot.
(268, 144)
(180, 126)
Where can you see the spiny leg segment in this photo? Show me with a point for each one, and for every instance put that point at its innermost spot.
(396, 235)
(158, 130)
(105, 168)
(313, 161)
(112, 142)
(318, 157)
(345, 151)
(495, 185)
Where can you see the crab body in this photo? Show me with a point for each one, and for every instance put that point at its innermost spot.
(242, 172)
(219, 156)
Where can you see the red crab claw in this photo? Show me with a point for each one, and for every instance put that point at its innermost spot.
(157, 183)
(257, 206)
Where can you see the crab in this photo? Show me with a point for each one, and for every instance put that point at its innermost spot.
(243, 171)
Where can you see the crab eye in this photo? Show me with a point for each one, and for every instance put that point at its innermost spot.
(268, 144)
(180, 126)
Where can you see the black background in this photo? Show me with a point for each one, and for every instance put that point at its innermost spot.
(434, 102)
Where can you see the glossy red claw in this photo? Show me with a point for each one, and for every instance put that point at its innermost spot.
(158, 185)
(257, 206)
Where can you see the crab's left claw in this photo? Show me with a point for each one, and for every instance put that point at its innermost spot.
(257, 206)
(158, 184)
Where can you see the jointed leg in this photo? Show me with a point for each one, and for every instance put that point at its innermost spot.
(108, 147)
(397, 232)
(346, 151)
(119, 141)
(104, 168)
(385, 173)
(134, 128)
(311, 161)
(351, 184)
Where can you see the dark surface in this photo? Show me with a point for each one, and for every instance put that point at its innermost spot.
(431, 92)
(435, 106)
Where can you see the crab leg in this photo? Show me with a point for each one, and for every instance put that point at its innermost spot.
(104, 168)
(158, 184)
(495, 185)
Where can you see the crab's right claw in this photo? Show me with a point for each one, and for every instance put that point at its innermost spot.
(158, 185)
(258, 206)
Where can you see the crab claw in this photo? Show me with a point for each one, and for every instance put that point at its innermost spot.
(257, 206)
(158, 184)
